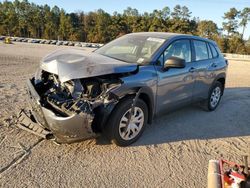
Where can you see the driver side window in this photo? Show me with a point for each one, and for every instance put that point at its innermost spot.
(179, 48)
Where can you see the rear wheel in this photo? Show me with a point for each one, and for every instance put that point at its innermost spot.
(122, 131)
(214, 97)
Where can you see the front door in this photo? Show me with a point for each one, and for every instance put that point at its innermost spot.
(175, 85)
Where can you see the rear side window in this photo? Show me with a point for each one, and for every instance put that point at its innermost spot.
(201, 52)
(214, 51)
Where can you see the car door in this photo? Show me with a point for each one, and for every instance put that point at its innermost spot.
(203, 67)
(175, 85)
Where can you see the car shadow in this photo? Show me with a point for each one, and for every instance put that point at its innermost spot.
(230, 119)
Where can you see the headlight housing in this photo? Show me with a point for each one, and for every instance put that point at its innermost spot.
(38, 76)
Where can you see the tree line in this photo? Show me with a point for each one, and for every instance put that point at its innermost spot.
(25, 19)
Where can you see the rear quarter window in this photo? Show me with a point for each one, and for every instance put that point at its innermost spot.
(210, 56)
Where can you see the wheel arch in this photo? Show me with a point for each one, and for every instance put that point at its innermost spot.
(146, 95)
(104, 112)
(148, 102)
(222, 79)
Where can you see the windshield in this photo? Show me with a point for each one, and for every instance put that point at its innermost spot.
(132, 48)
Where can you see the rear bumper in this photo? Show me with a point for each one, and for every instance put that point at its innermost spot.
(65, 129)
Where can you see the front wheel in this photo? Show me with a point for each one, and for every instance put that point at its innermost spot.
(122, 131)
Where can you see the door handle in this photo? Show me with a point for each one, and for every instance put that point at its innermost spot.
(214, 65)
(192, 69)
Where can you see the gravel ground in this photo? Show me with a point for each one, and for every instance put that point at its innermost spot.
(173, 152)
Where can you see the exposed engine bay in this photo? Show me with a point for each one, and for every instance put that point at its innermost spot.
(78, 96)
(73, 94)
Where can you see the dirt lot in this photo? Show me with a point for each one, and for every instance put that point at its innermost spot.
(173, 151)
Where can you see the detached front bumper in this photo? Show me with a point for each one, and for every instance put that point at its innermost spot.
(64, 129)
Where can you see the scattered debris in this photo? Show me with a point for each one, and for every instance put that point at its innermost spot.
(20, 158)
(10, 121)
(25, 122)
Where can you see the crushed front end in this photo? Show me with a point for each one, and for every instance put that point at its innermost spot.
(73, 110)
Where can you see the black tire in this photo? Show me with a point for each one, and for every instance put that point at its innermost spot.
(111, 130)
(207, 103)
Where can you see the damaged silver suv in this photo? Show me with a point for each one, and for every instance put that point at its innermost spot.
(119, 88)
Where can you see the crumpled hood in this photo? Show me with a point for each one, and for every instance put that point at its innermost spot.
(74, 64)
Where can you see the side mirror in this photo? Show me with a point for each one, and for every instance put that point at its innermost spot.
(174, 62)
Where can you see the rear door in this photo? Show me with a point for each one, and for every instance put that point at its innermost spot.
(202, 63)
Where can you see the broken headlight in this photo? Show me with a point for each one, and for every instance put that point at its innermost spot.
(38, 76)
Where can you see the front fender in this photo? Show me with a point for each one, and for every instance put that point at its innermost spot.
(146, 81)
